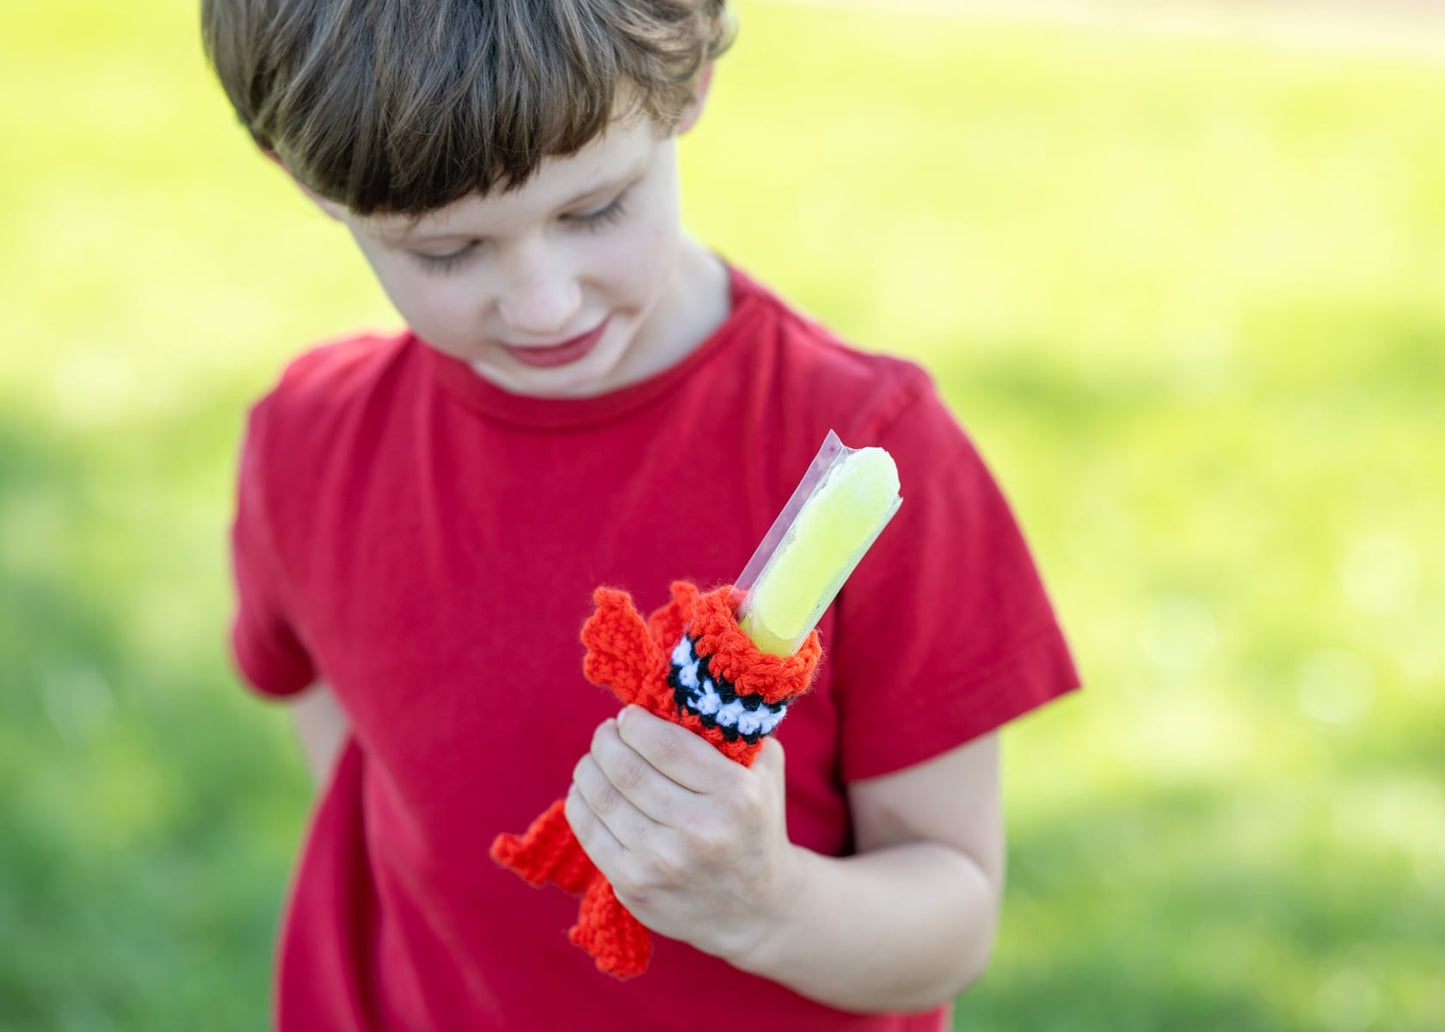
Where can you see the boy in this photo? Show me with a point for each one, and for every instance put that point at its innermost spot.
(585, 395)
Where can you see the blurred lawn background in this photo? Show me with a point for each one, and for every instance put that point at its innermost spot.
(1185, 290)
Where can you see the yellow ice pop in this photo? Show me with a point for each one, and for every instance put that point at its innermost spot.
(835, 527)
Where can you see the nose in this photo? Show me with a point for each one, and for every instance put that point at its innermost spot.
(541, 296)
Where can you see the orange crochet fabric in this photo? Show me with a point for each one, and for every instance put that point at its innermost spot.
(690, 663)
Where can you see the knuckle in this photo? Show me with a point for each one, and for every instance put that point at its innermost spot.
(743, 800)
(577, 814)
(595, 791)
(708, 841)
(670, 749)
(663, 746)
(632, 882)
(669, 866)
(605, 798)
(632, 894)
(629, 773)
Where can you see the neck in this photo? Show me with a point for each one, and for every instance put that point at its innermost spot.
(697, 303)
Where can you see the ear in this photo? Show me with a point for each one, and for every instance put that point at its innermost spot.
(330, 208)
(700, 87)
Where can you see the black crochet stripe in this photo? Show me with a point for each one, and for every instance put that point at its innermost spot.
(726, 691)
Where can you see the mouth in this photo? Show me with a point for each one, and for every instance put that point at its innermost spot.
(717, 703)
(548, 356)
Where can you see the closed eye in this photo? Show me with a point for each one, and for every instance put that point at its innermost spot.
(592, 221)
(609, 213)
(444, 263)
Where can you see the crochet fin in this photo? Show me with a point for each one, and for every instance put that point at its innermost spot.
(620, 653)
(546, 851)
(667, 624)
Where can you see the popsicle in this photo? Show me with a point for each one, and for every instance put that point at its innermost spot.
(836, 525)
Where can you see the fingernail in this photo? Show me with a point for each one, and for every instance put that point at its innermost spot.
(622, 714)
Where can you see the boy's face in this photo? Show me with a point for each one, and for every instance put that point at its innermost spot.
(570, 285)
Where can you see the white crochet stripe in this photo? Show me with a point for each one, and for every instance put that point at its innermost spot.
(704, 699)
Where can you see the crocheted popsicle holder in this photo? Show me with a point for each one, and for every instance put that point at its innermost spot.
(690, 663)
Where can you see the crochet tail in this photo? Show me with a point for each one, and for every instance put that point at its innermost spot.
(546, 851)
(607, 930)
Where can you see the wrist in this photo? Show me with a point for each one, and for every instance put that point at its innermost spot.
(779, 916)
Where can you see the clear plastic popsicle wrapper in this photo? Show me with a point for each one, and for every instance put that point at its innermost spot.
(841, 506)
(726, 664)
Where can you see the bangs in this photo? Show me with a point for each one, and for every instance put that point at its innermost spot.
(405, 106)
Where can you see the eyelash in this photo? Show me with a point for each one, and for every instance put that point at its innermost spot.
(441, 264)
(605, 217)
(592, 222)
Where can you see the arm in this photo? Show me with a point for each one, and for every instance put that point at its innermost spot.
(922, 891)
(321, 728)
(696, 847)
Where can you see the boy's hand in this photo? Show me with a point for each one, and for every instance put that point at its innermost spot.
(695, 845)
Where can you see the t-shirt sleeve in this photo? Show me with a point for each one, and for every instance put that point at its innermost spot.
(944, 632)
(265, 645)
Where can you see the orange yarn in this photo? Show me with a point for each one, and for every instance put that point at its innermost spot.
(633, 659)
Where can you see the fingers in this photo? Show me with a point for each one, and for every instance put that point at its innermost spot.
(612, 802)
(625, 791)
(675, 752)
(644, 777)
(595, 838)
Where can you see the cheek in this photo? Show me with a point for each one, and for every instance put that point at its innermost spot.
(640, 260)
(435, 307)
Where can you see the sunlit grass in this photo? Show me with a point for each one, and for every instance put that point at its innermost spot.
(1185, 294)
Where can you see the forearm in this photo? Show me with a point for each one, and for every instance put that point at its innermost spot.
(902, 928)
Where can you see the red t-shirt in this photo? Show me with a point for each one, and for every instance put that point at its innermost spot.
(427, 544)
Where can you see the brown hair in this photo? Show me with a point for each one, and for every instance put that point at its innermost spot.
(403, 106)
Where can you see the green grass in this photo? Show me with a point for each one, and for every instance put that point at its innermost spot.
(1185, 294)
